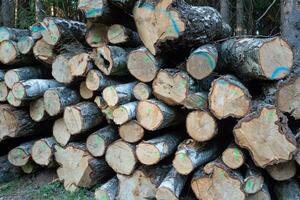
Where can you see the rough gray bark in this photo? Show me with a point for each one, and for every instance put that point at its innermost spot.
(40, 10)
(287, 190)
(8, 13)
(225, 10)
(239, 17)
(8, 172)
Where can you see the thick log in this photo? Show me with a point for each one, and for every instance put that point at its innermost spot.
(97, 35)
(282, 171)
(37, 110)
(287, 190)
(233, 157)
(42, 151)
(33, 88)
(85, 93)
(111, 60)
(58, 30)
(12, 100)
(131, 131)
(20, 155)
(107, 191)
(60, 132)
(143, 65)
(254, 180)
(191, 154)
(57, 99)
(119, 94)
(216, 181)
(12, 33)
(152, 151)
(35, 30)
(121, 157)
(98, 141)
(118, 34)
(80, 64)
(97, 81)
(201, 125)
(254, 58)
(22, 74)
(171, 187)
(142, 91)
(202, 61)
(44, 52)
(142, 184)
(78, 168)
(154, 115)
(196, 101)
(172, 25)
(272, 142)
(8, 172)
(228, 97)
(125, 112)
(263, 194)
(3, 91)
(25, 44)
(82, 117)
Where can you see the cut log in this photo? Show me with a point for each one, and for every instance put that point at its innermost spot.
(15, 123)
(154, 115)
(120, 35)
(142, 91)
(60, 132)
(107, 191)
(44, 52)
(191, 154)
(78, 168)
(152, 151)
(172, 186)
(165, 26)
(12, 33)
(263, 194)
(229, 98)
(253, 181)
(98, 141)
(20, 155)
(121, 157)
(254, 58)
(131, 131)
(58, 30)
(22, 74)
(42, 151)
(30, 167)
(85, 93)
(12, 100)
(34, 88)
(196, 101)
(143, 65)
(111, 60)
(35, 30)
(108, 113)
(142, 184)
(80, 64)
(3, 91)
(282, 171)
(287, 190)
(233, 157)
(125, 112)
(272, 142)
(37, 110)
(216, 181)
(8, 172)
(202, 61)
(96, 9)
(57, 99)
(100, 102)
(201, 126)
(82, 117)
(97, 35)
(118, 94)
(97, 81)
(25, 44)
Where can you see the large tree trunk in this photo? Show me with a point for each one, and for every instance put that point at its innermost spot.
(40, 10)
(8, 13)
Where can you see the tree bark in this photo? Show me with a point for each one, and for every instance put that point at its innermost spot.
(107, 191)
(97, 81)
(4, 90)
(40, 11)
(85, 92)
(37, 110)
(8, 13)
(25, 45)
(225, 10)
(287, 190)
(13, 34)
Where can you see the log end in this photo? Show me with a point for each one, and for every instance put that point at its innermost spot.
(95, 145)
(120, 115)
(164, 193)
(19, 91)
(79, 64)
(11, 77)
(41, 153)
(52, 102)
(252, 184)
(8, 52)
(85, 93)
(147, 154)
(61, 70)
(18, 157)
(73, 119)
(3, 91)
(110, 95)
(282, 171)
(117, 34)
(141, 91)
(97, 35)
(4, 34)
(37, 110)
(233, 158)
(25, 44)
(131, 132)
(51, 34)
(60, 132)
(93, 80)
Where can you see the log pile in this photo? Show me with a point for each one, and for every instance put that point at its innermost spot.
(151, 99)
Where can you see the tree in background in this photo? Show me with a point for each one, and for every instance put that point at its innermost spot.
(8, 12)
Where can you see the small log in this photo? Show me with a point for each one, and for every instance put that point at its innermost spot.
(216, 181)
(82, 117)
(97, 81)
(100, 102)
(22, 74)
(44, 52)
(118, 94)
(143, 65)
(118, 34)
(154, 115)
(30, 167)
(98, 141)
(152, 151)
(202, 61)
(272, 142)
(25, 44)
(201, 125)
(80, 64)
(166, 26)
(57, 99)
(78, 168)
(233, 157)
(125, 112)
(8, 172)
(37, 110)
(35, 30)
(229, 98)
(108, 112)
(111, 60)
(142, 184)
(95, 9)
(97, 35)
(131, 132)
(60, 132)
(254, 180)
(172, 186)
(42, 151)
(191, 154)
(121, 157)
(34, 88)
(12, 100)
(85, 93)
(12, 33)
(58, 30)
(142, 91)
(107, 191)
(263, 194)
(196, 101)
(287, 190)
(20, 155)
(254, 58)
(3, 91)
(282, 171)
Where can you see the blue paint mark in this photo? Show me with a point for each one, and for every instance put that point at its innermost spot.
(147, 5)
(279, 70)
(206, 55)
(222, 82)
(37, 28)
(93, 12)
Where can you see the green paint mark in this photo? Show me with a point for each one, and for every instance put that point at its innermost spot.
(44, 147)
(20, 152)
(233, 92)
(222, 82)
(236, 154)
(200, 102)
(122, 109)
(148, 111)
(98, 141)
(147, 60)
(103, 197)
(249, 184)
(222, 174)
(270, 115)
(170, 30)
(183, 156)
(96, 39)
